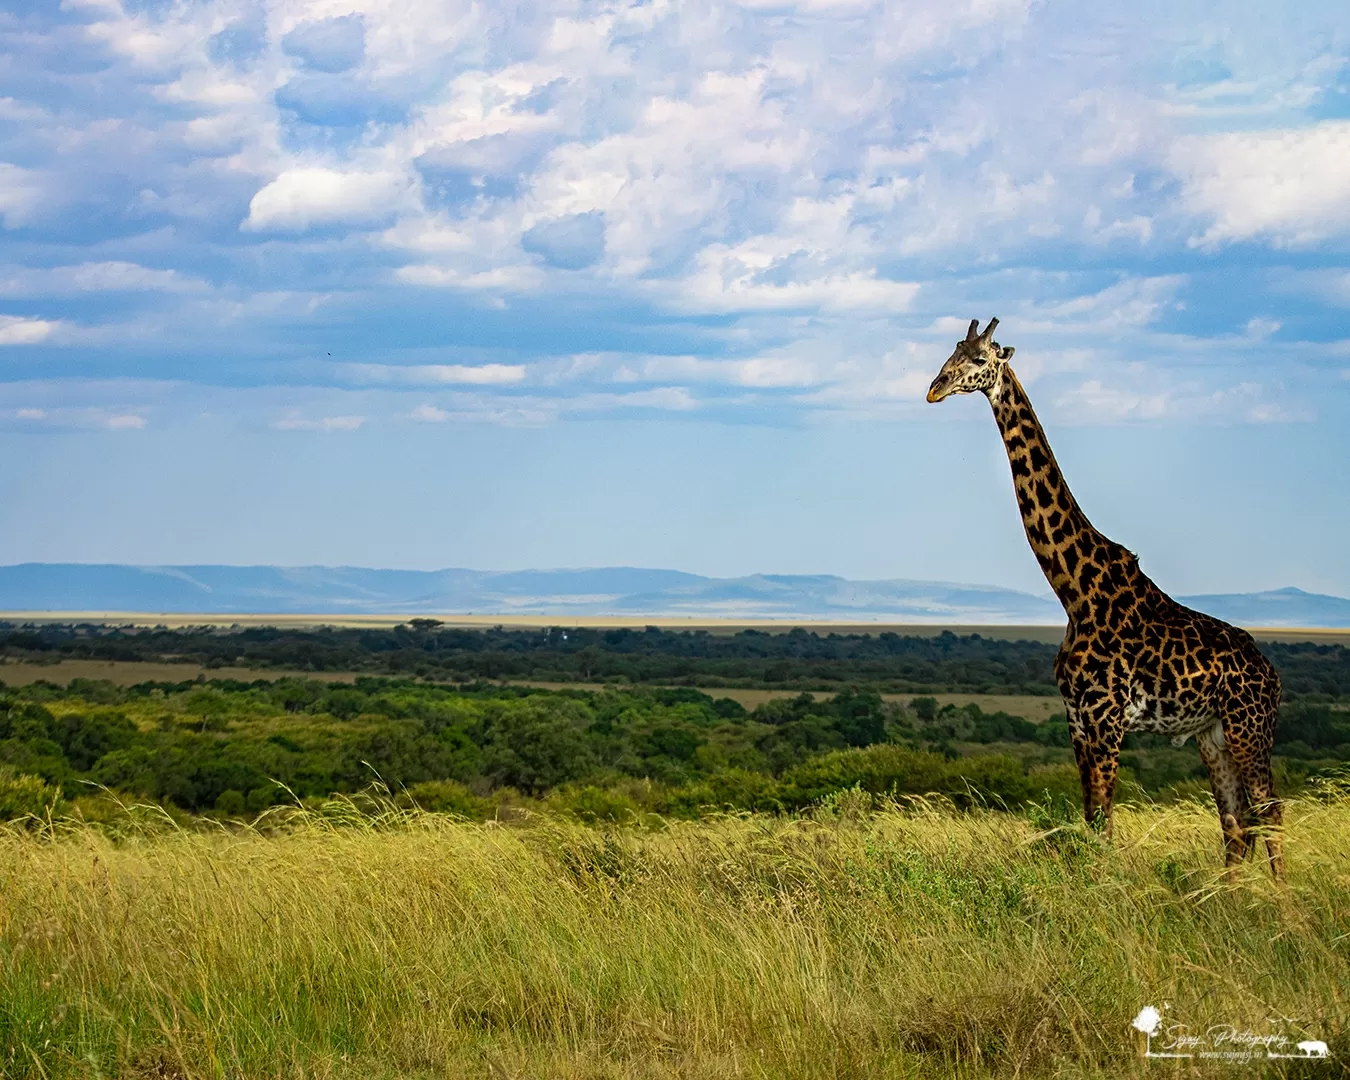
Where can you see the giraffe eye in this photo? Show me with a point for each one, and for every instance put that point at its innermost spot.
(977, 359)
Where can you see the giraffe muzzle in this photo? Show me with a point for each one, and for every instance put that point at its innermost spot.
(938, 390)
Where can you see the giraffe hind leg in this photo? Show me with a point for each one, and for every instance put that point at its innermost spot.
(1230, 794)
(1252, 758)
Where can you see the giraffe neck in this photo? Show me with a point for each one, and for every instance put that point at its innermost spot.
(1076, 559)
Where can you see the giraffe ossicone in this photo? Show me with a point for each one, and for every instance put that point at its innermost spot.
(1133, 659)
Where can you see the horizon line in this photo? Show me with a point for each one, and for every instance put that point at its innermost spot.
(452, 620)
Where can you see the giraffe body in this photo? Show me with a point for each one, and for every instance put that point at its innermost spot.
(1133, 659)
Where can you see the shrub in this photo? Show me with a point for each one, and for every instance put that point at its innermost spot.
(446, 797)
(538, 743)
(1054, 732)
(879, 769)
(728, 789)
(592, 804)
(23, 796)
(990, 779)
(1056, 783)
(231, 803)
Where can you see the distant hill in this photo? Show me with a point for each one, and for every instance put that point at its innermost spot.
(605, 591)
(1278, 607)
(320, 590)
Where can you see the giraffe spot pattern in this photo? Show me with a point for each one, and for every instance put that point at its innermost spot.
(1133, 659)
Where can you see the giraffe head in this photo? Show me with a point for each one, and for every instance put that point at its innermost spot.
(977, 364)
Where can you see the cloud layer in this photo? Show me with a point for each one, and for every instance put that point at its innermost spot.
(757, 211)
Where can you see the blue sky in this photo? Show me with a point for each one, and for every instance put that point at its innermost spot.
(565, 284)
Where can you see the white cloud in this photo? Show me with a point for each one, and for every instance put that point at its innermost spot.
(17, 330)
(296, 422)
(503, 278)
(1094, 401)
(94, 277)
(22, 192)
(674, 171)
(672, 398)
(838, 367)
(430, 374)
(1250, 402)
(1130, 302)
(1291, 185)
(918, 28)
(1261, 329)
(743, 290)
(766, 371)
(823, 179)
(301, 198)
(480, 407)
(891, 385)
(1137, 227)
(69, 413)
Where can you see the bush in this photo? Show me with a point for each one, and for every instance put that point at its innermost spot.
(23, 796)
(592, 804)
(729, 789)
(446, 797)
(231, 803)
(265, 795)
(886, 769)
(1307, 725)
(990, 779)
(881, 769)
(537, 743)
(1056, 783)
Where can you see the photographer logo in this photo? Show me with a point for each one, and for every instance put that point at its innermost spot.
(1159, 1038)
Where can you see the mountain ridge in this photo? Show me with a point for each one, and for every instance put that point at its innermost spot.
(319, 590)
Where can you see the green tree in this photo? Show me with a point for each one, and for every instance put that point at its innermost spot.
(538, 743)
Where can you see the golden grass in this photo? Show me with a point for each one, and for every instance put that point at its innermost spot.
(131, 672)
(908, 942)
(1034, 707)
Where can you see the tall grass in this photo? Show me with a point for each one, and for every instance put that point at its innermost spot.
(908, 941)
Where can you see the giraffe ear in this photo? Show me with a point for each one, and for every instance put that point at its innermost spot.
(1005, 352)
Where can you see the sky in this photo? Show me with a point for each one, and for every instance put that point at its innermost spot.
(586, 283)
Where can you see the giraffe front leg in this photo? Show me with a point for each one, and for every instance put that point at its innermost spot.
(1097, 730)
(1230, 795)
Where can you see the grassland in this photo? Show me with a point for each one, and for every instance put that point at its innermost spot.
(131, 672)
(1033, 707)
(358, 940)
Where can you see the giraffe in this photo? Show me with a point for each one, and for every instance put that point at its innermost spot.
(1133, 659)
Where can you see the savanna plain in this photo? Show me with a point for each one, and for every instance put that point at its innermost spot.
(432, 871)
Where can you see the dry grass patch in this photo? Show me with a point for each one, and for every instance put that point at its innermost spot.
(915, 941)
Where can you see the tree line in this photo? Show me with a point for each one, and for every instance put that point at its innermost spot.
(800, 659)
